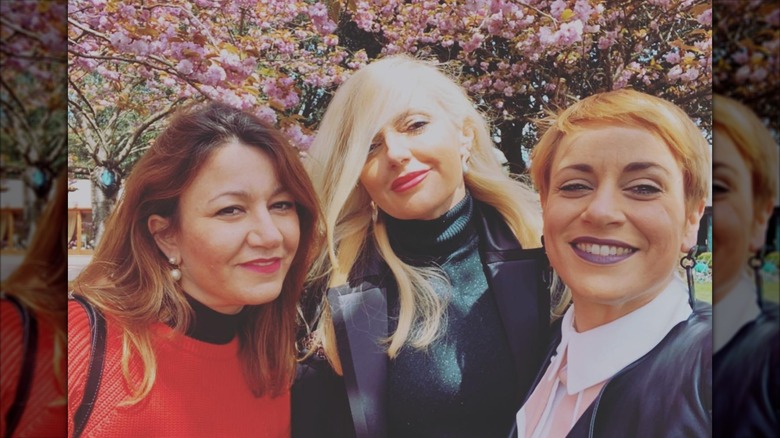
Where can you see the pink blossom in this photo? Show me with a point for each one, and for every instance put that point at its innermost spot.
(759, 74)
(119, 40)
(557, 7)
(674, 73)
(742, 74)
(690, 75)
(607, 40)
(740, 57)
(583, 10)
(672, 57)
(266, 114)
(297, 137)
(214, 75)
(473, 43)
(570, 33)
(773, 19)
(319, 18)
(705, 18)
(184, 67)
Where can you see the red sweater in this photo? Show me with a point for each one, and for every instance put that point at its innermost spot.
(44, 414)
(199, 391)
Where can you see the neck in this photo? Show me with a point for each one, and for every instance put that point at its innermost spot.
(589, 313)
(211, 326)
(435, 237)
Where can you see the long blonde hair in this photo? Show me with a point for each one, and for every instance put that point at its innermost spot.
(128, 278)
(624, 108)
(38, 281)
(359, 109)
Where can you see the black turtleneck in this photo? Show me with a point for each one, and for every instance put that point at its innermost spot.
(211, 326)
(464, 384)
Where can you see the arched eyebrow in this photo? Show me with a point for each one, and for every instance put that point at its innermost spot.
(644, 165)
(629, 168)
(243, 194)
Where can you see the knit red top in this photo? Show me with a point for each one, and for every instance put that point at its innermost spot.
(44, 413)
(200, 390)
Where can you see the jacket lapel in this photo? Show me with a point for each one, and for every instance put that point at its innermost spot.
(516, 277)
(360, 318)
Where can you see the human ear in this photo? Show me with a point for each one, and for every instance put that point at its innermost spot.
(466, 140)
(159, 228)
(692, 227)
(760, 224)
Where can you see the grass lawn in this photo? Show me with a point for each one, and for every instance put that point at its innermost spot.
(703, 291)
(772, 291)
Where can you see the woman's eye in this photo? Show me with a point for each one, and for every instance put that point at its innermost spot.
(283, 205)
(720, 188)
(573, 187)
(645, 189)
(416, 126)
(230, 211)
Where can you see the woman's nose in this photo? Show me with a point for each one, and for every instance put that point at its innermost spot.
(264, 232)
(605, 207)
(398, 148)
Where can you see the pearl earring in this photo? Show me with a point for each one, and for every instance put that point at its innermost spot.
(465, 166)
(175, 272)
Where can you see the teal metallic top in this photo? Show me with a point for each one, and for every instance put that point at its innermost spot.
(464, 384)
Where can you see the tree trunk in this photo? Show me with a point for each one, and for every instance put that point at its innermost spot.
(102, 206)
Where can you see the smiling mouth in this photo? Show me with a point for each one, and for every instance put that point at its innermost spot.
(604, 250)
(602, 254)
(406, 182)
(265, 266)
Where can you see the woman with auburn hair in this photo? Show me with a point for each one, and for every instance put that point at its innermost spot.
(747, 328)
(623, 178)
(198, 275)
(32, 333)
(434, 312)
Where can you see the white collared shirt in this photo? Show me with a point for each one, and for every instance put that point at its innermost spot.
(594, 356)
(736, 309)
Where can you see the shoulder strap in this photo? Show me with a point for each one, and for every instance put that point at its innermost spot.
(30, 340)
(97, 324)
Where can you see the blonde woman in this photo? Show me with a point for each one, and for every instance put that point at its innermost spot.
(32, 335)
(747, 328)
(433, 310)
(198, 276)
(623, 178)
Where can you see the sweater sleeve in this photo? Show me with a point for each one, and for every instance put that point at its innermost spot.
(12, 346)
(79, 338)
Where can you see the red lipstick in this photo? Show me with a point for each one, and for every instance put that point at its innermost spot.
(263, 266)
(406, 182)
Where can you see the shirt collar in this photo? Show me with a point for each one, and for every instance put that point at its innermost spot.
(596, 355)
(738, 307)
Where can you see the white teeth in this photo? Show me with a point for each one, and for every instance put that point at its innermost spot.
(604, 250)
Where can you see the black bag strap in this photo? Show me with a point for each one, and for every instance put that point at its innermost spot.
(30, 341)
(97, 324)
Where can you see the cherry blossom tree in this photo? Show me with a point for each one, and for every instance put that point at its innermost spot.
(32, 109)
(113, 132)
(283, 59)
(747, 55)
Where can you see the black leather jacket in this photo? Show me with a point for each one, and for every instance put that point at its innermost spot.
(326, 405)
(746, 375)
(665, 393)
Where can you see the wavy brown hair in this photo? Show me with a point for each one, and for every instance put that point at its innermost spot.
(128, 278)
(39, 280)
